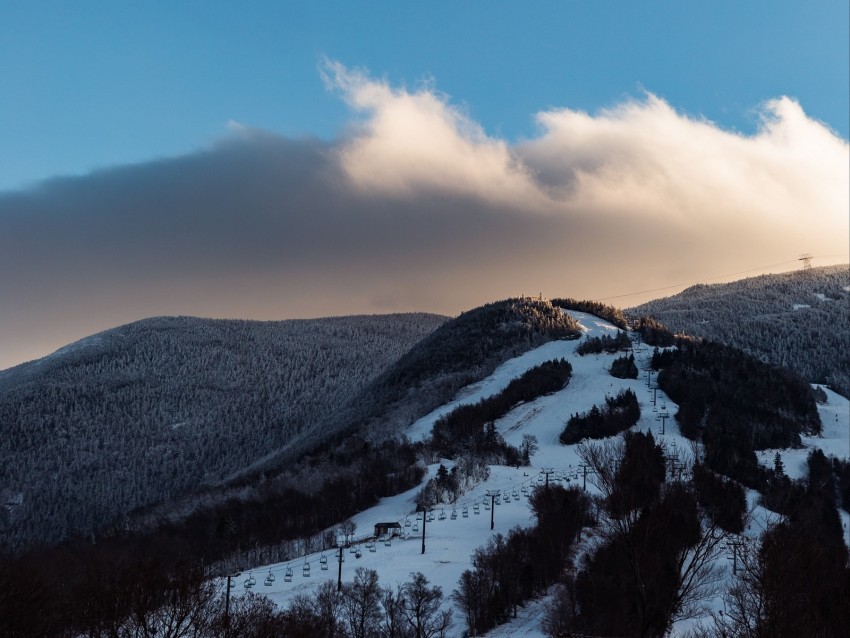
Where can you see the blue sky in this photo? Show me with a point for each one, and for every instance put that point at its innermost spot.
(95, 84)
(273, 160)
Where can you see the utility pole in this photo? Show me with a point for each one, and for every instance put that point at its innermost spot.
(424, 518)
(547, 471)
(734, 545)
(663, 418)
(584, 467)
(492, 494)
(227, 603)
(339, 574)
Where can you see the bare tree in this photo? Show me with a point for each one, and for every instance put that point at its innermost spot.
(394, 624)
(361, 603)
(422, 608)
(655, 528)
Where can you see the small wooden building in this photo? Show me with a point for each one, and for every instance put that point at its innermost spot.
(384, 529)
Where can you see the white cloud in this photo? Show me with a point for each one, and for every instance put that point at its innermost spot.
(639, 162)
(415, 141)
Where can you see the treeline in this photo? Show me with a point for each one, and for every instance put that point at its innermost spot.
(471, 428)
(624, 368)
(74, 585)
(791, 319)
(598, 345)
(148, 599)
(609, 313)
(364, 609)
(509, 571)
(655, 333)
(150, 411)
(619, 413)
(735, 404)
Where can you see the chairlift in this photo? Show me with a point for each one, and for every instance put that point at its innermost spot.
(524, 490)
(269, 579)
(287, 576)
(476, 508)
(352, 549)
(372, 547)
(415, 527)
(305, 571)
(454, 514)
(388, 541)
(359, 554)
(487, 505)
(250, 581)
(418, 516)
(465, 511)
(407, 522)
(442, 515)
(515, 494)
(323, 563)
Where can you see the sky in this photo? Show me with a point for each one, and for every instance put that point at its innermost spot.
(279, 160)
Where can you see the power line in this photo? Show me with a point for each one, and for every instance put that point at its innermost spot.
(693, 283)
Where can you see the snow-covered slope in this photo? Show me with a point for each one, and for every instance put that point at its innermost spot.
(451, 539)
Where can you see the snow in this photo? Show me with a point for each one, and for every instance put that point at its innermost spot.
(834, 440)
(800, 306)
(451, 543)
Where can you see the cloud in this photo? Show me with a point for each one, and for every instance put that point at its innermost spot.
(416, 207)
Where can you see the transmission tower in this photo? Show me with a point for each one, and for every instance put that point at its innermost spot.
(806, 258)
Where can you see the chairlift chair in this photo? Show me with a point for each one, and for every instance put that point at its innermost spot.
(250, 581)
(407, 522)
(388, 541)
(465, 511)
(442, 515)
(323, 563)
(372, 547)
(415, 527)
(287, 576)
(476, 508)
(454, 514)
(305, 571)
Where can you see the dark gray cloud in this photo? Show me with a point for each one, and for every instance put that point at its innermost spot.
(413, 209)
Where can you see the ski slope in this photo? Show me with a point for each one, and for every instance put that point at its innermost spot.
(451, 540)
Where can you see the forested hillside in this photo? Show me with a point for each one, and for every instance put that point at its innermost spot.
(799, 320)
(141, 413)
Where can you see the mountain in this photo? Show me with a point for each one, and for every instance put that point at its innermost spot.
(161, 414)
(144, 412)
(658, 489)
(800, 320)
